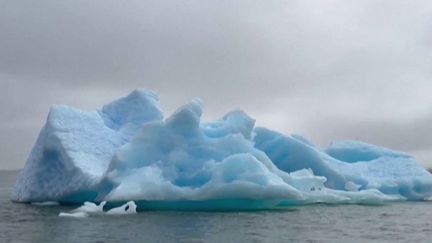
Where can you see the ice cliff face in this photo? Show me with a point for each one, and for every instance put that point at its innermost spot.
(74, 148)
(127, 151)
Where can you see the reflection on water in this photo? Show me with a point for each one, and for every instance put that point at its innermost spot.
(394, 222)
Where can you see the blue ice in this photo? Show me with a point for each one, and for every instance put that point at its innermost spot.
(127, 151)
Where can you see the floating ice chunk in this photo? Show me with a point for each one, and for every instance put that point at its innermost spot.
(85, 210)
(90, 208)
(128, 208)
(74, 215)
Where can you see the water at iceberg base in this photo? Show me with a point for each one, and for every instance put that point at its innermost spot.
(128, 151)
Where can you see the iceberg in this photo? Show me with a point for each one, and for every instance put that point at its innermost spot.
(127, 208)
(126, 151)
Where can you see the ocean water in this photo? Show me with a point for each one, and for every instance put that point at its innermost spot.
(396, 222)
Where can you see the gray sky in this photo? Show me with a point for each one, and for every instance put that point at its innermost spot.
(328, 70)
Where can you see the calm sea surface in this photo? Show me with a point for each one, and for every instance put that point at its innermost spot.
(398, 222)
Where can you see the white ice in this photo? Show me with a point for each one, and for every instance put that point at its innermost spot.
(128, 208)
(74, 215)
(90, 208)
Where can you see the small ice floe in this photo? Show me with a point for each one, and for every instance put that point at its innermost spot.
(47, 203)
(90, 208)
(85, 210)
(74, 215)
(128, 208)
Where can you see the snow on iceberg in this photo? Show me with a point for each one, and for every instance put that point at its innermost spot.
(127, 151)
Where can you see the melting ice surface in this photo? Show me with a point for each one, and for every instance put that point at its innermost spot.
(128, 151)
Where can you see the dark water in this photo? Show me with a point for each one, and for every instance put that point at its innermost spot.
(399, 222)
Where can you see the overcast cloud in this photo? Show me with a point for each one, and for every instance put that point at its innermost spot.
(328, 70)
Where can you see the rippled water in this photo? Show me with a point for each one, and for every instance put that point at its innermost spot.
(405, 222)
